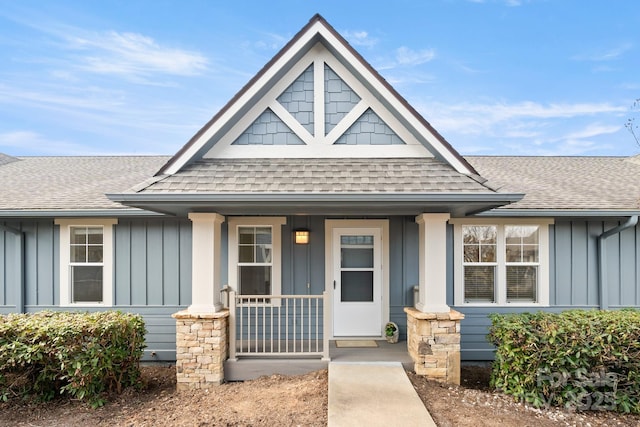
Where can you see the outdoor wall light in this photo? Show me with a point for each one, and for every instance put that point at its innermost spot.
(301, 237)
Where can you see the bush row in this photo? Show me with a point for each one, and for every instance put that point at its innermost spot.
(577, 359)
(82, 355)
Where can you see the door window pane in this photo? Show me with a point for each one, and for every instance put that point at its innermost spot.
(356, 286)
(356, 251)
(357, 258)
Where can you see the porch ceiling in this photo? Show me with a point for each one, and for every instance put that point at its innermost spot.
(358, 204)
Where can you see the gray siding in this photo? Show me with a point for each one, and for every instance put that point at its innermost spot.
(41, 264)
(339, 99)
(268, 129)
(573, 281)
(304, 264)
(297, 99)
(369, 129)
(152, 262)
(152, 273)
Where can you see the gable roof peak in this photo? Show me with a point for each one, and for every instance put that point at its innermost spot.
(316, 30)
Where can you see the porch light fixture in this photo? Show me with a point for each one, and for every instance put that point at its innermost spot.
(301, 237)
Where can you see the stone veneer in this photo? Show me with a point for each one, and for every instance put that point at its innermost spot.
(201, 348)
(433, 341)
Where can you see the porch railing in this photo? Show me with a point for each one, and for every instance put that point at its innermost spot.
(282, 325)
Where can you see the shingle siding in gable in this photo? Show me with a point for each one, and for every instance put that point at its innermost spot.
(339, 99)
(369, 129)
(297, 99)
(268, 129)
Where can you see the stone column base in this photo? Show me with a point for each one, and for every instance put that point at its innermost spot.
(433, 341)
(201, 349)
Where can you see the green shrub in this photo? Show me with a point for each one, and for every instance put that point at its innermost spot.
(577, 359)
(82, 355)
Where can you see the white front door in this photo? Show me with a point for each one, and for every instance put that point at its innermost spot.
(357, 282)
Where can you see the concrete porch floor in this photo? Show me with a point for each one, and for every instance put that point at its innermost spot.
(247, 368)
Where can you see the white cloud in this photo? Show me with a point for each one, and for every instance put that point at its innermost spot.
(134, 55)
(271, 41)
(492, 113)
(359, 38)
(592, 130)
(527, 128)
(406, 56)
(604, 55)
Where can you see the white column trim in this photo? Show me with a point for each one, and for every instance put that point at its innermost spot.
(433, 262)
(205, 262)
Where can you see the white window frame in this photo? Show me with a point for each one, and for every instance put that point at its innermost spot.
(276, 223)
(65, 259)
(500, 297)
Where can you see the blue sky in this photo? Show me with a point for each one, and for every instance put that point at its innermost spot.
(509, 77)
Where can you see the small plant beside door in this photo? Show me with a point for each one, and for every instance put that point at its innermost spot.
(391, 332)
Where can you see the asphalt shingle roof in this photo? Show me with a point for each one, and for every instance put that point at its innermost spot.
(390, 175)
(549, 183)
(55, 183)
(565, 183)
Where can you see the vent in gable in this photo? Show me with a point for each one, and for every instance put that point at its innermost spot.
(268, 129)
(297, 99)
(339, 99)
(369, 129)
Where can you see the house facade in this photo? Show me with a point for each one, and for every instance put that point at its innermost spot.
(318, 205)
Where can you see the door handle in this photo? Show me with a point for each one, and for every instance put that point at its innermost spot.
(334, 284)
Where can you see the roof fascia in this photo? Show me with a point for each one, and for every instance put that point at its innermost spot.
(566, 213)
(458, 204)
(316, 197)
(84, 213)
(305, 38)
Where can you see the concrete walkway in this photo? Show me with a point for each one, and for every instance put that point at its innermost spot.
(373, 394)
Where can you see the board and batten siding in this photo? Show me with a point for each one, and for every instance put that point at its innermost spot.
(573, 278)
(41, 265)
(303, 271)
(152, 273)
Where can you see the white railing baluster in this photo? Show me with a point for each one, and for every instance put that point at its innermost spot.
(287, 326)
(232, 325)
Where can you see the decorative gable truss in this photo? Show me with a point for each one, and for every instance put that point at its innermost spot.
(317, 98)
(320, 108)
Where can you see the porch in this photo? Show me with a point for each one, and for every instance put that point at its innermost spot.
(359, 282)
(247, 368)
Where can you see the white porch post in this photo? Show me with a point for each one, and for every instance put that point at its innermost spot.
(205, 267)
(433, 262)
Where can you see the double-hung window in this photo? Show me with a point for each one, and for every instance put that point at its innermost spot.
(86, 261)
(255, 261)
(86, 264)
(522, 262)
(480, 262)
(501, 261)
